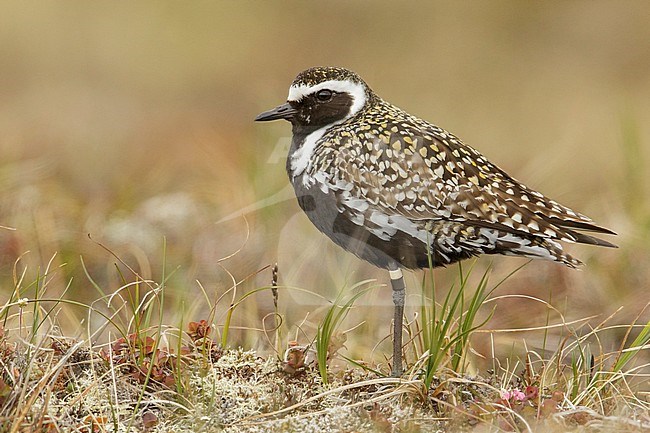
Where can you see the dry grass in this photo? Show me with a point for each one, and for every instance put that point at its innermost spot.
(71, 388)
(156, 377)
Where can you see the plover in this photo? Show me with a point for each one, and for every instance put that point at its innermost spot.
(400, 192)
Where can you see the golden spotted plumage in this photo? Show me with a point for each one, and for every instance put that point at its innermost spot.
(404, 183)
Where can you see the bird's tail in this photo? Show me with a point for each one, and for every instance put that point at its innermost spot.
(544, 248)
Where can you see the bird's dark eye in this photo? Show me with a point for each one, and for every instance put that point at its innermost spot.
(324, 95)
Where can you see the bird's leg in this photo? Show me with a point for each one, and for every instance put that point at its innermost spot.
(399, 290)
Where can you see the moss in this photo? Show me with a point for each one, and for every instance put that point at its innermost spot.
(72, 388)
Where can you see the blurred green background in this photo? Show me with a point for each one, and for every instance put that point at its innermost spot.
(132, 122)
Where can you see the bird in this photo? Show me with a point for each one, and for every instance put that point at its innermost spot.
(402, 193)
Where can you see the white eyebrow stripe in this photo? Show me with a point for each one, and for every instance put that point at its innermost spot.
(356, 90)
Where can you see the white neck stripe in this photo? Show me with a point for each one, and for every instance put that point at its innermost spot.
(356, 90)
(301, 158)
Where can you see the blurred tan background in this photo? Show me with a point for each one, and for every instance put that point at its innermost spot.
(132, 121)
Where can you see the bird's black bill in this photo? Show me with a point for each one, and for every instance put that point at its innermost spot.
(284, 111)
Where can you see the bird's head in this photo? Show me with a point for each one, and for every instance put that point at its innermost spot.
(322, 96)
